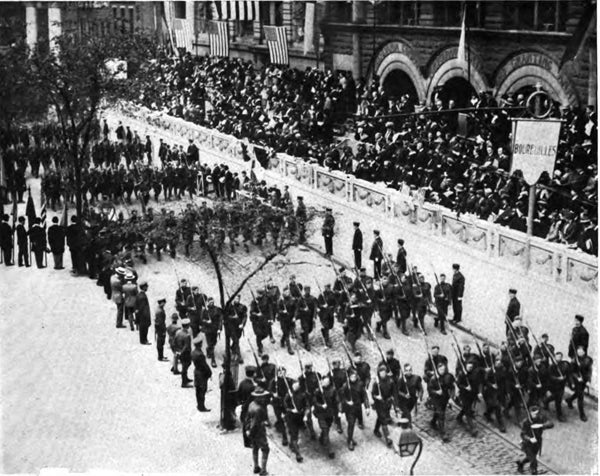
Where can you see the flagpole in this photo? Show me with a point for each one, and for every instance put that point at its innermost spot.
(467, 31)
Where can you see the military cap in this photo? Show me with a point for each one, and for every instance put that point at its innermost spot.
(456, 266)
(357, 354)
(265, 357)
(336, 361)
(342, 269)
(376, 232)
(435, 347)
(579, 317)
(512, 291)
(308, 364)
(260, 392)
(174, 316)
(390, 351)
(300, 198)
(363, 270)
(534, 408)
(183, 281)
(21, 219)
(544, 335)
(143, 284)
(356, 223)
(327, 209)
(185, 322)
(195, 288)
(400, 241)
(162, 299)
(382, 367)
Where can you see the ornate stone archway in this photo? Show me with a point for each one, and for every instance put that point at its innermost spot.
(397, 55)
(446, 65)
(532, 67)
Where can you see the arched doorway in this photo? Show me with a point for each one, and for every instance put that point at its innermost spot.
(457, 89)
(397, 83)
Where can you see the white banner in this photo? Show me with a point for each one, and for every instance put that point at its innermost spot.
(535, 143)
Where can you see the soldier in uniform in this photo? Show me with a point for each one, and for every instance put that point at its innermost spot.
(297, 408)
(327, 230)
(245, 389)
(236, 315)
(401, 257)
(255, 426)
(514, 307)
(363, 370)
(259, 316)
(410, 391)
(327, 303)
(22, 243)
(116, 286)
(353, 397)
(422, 293)
(579, 337)
(181, 297)
(516, 385)
(581, 374)
(160, 328)
(309, 381)
(357, 245)
(469, 386)
(325, 407)
(130, 291)
(558, 375)
(376, 254)
(195, 305)
(385, 300)
(545, 349)
(538, 380)
(202, 373)
(39, 245)
(171, 332)
(440, 389)
(404, 303)
(212, 324)
(494, 392)
(182, 344)
(531, 438)
(341, 286)
(273, 294)
(458, 290)
(353, 323)
(338, 377)
(142, 311)
(383, 393)
(267, 372)
(279, 388)
(443, 297)
(306, 312)
(6, 240)
(286, 310)
(188, 225)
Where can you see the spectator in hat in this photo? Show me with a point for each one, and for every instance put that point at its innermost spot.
(56, 241)
(130, 291)
(142, 312)
(160, 328)
(376, 254)
(357, 245)
(202, 373)
(183, 349)
(458, 290)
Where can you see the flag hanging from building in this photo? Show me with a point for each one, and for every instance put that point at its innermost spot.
(184, 37)
(63, 220)
(462, 42)
(276, 39)
(218, 38)
(237, 10)
(43, 211)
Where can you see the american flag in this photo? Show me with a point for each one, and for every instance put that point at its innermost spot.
(183, 34)
(237, 10)
(43, 212)
(218, 37)
(276, 39)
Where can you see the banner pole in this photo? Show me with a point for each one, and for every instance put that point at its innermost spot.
(531, 212)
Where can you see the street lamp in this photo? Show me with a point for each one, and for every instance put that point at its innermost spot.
(409, 442)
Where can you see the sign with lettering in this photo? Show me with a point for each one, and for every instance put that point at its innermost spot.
(535, 143)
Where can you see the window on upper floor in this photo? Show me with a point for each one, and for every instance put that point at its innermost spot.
(397, 13)
(339, 12)
(179, 10)
(539, 15)
(447, 13)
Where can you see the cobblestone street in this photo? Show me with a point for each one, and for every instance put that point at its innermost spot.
(88, 396)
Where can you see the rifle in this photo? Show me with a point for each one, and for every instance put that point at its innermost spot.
(415, 278)
(258, 367)
(301, 368)
(576, 357)
(287, 385)
(437, 375)
(387, 366)
(339, 278)
(459, 355)
(349, 355)
(493, 368)
(348, 380)
(391, 268)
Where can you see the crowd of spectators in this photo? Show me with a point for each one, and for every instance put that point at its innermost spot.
(304, 113)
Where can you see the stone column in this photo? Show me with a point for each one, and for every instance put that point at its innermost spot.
(31, 28)
(309, 27)
(54, 25)
(358, 16)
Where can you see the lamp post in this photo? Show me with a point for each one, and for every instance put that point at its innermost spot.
(409, 443)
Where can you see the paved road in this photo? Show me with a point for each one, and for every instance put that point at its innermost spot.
(79, 394)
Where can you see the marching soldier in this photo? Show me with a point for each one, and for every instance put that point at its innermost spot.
(195, 305)
(338, 377)
(545, 349)
(440, 389)
(160, 328)
(181, 296)
(538, 380)
(531, 438)
(422, 293)
(443, 297)
(236, 315)
(581, 374)
(202, 373)
(286, 310)
(272, 292)
(244, 392)
(430, 367)
(469, 387)
(341, 285)
(301, 218)
(494, 392)
(353, 323)
(306, 312)
(353, 396)
(326, 302)
(383, 393)
(516, 385)
(294, 287)
(376, 254)
(297, 408)
(410, 391)
(401, 257)
(267, 372)
(325, 408)
(279, 389)
(259, 316)
(212, 324)
(309, 381)
(363, 370)
(357, 245)
(328, 231)
(404, 302)
(22, 243)
(558, 376)
(384, 299)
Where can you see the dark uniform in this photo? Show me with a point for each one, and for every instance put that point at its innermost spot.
(142, 310)
(56, 241)
(286, 310)
(212, 323)
(183, 348)
(306, 312)
(327, 231)
(325, 408)
(353, 396)
(297, 408)
(383, 393)
(160, 329)
(468, 385)
(327, 303)
(357, 246)
(202, 374)
(280, 387)
(458, 289)
(559, 373)
(255, 426)
(581, 374)
(260, 311)
(37, 236)
(376, 255)
(442, 294)
(531, 439)
(410, 390)
(22, 243)
(440, 389)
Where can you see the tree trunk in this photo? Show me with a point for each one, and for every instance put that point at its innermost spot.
(78, 191)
